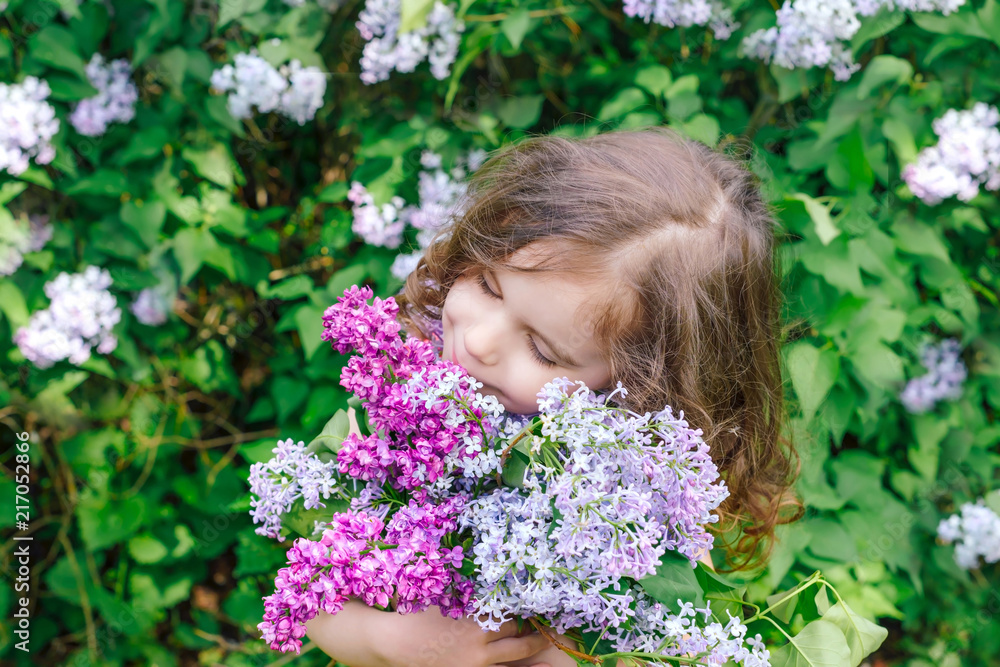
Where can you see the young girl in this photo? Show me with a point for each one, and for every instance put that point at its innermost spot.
(635, 256)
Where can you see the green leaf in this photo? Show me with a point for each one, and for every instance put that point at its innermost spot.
(786, 609)
(309, 320)
(820, 215)
(929, 432)
(413, 14)
(104, 182)
(147, 549)
(989, 17)
(214, 163)
(962, 23)
(234, 9)
(621, 103)
(900, 136)
(333, 435)
(521, 112)
(513, 469)
(333, 193)
(674, 580)
(9, 191)
(104, 522)
(819, 644)
(863, 636)
(813, 373)
(145, 218)
(69, 88)
(516, 25)
(56, 46)
(883, 69)
(191, 247)
(12, 304)
(472, 45)
(656, 79)
(218, 110)
(288, 394)
(830, 540)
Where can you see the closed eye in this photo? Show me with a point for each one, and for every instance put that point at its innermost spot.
(539, 357)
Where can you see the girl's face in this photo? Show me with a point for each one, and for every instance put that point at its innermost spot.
(516, 331)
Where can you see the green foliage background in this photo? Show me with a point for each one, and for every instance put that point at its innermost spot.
(144, 552)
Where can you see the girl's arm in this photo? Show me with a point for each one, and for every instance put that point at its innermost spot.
(360, 636)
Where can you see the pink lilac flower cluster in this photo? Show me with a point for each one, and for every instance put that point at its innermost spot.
(80, 317)
(966, 157)
(945, 374)
(422, 408)
(293, 473)
(115, 99)
(817, 33)
(685, 13)
(402, 561)
(388, 49)
(976, 532)
(18, 237)
(27, 125)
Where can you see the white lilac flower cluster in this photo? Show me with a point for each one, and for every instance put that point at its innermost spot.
(80, 317)
(685, 13)
(654, 622)
(294, 90)
(115, 99)
(441, 195)
(976, 533)
(293, 473)
(27, 124)
(966, 156)
(18, 238)
(945, 374)
(817, 33)
(387, 49)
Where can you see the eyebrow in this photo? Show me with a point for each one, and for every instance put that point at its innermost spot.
(563, 356)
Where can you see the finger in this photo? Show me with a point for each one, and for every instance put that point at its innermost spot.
(516, 648)
(507, 629)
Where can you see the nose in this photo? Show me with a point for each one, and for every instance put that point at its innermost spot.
(483, 341)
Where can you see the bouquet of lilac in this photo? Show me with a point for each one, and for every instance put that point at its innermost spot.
(587, 519)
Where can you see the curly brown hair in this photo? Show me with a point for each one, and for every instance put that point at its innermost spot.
(684, 232)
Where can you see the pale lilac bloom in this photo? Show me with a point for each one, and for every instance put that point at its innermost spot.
(27, 125)
(976, 532)
(151, 306)
(251, 82)
(18, 238)
(685, 13)
(943, 381)
(966, 157)
(817, 33)
(304, 95)
(115, 99)
(80, 317)
(293, 473)
(387, 50)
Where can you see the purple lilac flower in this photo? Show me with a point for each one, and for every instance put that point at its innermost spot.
(976, 531)
(402, 561)
(27, 125)
(151, 307)
(387, 50)
(293, 473)
(684, 13)
(115, 99)
(80, 317)
(966, 157)
(944, 378)
(627, 488)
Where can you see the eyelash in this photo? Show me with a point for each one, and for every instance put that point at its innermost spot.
(531, 342)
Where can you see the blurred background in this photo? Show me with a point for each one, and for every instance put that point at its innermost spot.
(185, 186)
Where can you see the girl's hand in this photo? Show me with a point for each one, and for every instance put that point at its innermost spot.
(428, 639)
(553, 656)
